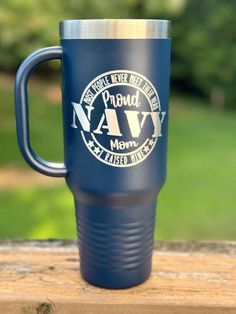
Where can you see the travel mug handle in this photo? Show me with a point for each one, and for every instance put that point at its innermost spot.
(22, 117)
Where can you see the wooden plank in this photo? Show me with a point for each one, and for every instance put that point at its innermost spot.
(187, 278)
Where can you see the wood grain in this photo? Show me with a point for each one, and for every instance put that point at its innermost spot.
(187, 278)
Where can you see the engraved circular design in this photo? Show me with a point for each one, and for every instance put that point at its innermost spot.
(119, 116)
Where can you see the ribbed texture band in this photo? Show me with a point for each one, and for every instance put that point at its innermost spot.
(115, 253)
(122, 247)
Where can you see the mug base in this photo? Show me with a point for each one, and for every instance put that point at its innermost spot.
(116, 280)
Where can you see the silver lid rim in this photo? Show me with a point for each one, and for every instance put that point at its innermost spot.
(115, 29)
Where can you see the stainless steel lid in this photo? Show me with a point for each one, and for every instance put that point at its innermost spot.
(114, 29)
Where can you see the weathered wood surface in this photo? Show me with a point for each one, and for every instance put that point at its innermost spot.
(187, 278)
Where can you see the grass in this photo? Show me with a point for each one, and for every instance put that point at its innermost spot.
(198, 200)
(37, 213)
(45, 125)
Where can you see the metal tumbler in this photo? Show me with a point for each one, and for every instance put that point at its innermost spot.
(115, 90)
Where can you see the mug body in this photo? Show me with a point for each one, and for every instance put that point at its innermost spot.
(115, 86)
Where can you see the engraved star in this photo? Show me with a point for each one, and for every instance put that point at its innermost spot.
(90, 144)
(146, 149)
(151, 142)
(97, 150)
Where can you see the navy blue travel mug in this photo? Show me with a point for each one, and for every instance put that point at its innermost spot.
(115, 89)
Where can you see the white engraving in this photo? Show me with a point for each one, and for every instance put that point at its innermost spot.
(120, 118)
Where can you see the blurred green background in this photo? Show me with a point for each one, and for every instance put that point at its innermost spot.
(198, 200)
